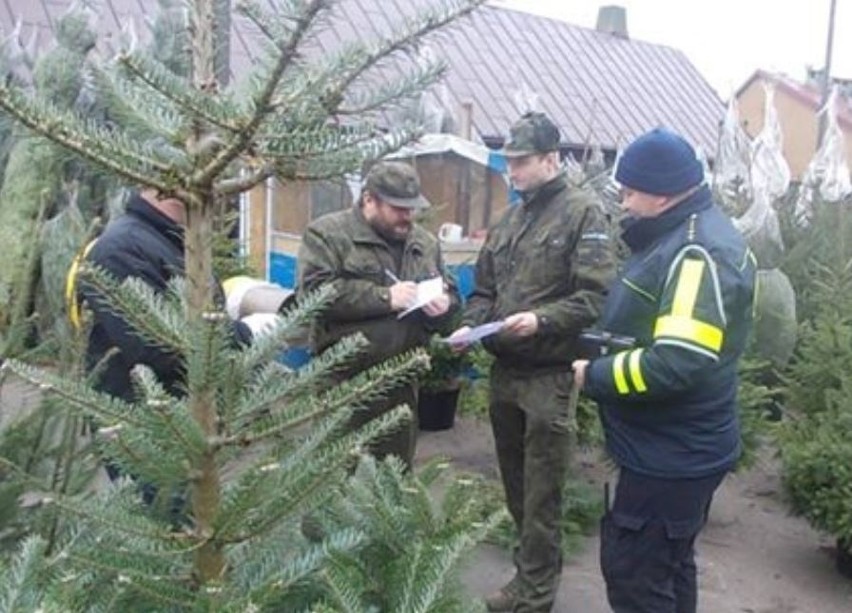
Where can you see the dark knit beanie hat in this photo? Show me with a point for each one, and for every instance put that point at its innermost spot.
(661, 163)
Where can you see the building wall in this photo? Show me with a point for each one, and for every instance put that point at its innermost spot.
(799, 125)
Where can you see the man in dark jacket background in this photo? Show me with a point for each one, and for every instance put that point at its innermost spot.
(374, 254)
(543, 272)
(668, 405)
(145, 243)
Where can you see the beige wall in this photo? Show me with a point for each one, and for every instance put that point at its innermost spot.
(461, 192)
(798, 125)
(257, 229)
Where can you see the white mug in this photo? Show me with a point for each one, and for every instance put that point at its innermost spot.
(450, 232)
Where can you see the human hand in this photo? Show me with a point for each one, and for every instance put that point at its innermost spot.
(438, 306)
(458, 347)
(402, 294)
(521, 324)
(579, 367)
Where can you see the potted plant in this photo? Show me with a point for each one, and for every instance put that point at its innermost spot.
(440, 386)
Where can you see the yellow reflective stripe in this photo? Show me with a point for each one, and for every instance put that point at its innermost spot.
(618, 373)
(690, 330)
(71, 285)
(636, 371)
(687, 288)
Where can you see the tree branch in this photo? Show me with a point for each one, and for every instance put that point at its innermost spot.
(231, 187)
(262, 106)
(175, 89)
(429, 23)
(56, 129)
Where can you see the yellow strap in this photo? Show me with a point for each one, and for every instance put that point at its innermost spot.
(688, 284)
(618, 373)
(691, 330)
(71, 302)
(636, 371)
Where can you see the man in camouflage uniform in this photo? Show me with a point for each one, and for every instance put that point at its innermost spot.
(374, 255)
(543, 271)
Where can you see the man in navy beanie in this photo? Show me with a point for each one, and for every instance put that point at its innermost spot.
(668, 403)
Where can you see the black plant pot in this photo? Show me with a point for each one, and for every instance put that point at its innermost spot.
(844, 558)
(436, 410)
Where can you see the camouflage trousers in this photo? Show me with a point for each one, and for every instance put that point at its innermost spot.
(529, 416)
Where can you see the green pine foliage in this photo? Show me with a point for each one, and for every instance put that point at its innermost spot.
(817, 460)
(144, 557)
(246, 448)
(814, 446)
(41, 182)
(414, 544)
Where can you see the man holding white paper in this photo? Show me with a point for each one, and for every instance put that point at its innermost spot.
(542, 272)
(389, 279)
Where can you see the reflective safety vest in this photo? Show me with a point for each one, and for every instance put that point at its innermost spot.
(668, 405)
(72, 302)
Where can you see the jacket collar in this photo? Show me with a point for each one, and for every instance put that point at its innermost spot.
(640, 233)
(545, 192)
(142, 209)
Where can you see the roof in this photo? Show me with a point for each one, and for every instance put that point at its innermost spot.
(807, 94)
(600, 89)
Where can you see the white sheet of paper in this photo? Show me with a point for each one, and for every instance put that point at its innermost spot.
(427, 291)
(475, 334)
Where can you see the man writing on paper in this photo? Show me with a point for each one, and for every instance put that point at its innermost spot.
(543, 271)
(375, 255)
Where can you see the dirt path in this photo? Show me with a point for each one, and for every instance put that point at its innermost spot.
(753, 557)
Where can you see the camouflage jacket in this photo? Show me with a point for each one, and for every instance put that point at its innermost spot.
(344, 250)
(552, 255)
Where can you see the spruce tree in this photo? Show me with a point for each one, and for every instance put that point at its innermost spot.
(253, 445)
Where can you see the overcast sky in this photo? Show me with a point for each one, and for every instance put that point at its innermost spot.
(726, 40)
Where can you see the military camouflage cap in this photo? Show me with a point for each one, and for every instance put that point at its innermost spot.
(532, 133)
(397, 184)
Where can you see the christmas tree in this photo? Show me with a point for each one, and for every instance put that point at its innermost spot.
(252, 446)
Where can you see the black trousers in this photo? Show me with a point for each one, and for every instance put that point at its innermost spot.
(648, 542)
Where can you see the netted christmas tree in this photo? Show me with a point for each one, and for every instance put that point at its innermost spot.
(251, 447)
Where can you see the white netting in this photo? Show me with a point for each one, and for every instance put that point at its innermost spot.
(828, 172)
(770, 179)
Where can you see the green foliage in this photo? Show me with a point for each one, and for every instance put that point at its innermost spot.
(157, 439)
(254, 446)
(40, 181)
(817, 461)
(816, 455)
(817, 256)
(414, 545)
(822, 360)
(756, 401)
(474, 396)
(446, 367)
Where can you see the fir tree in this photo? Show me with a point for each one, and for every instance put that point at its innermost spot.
(254, 446)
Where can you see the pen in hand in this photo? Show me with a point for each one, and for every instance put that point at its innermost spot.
(392, 276)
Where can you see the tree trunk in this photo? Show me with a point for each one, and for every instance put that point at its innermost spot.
(209, 558)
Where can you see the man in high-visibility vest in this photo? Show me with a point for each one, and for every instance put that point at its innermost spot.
(668, 404)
